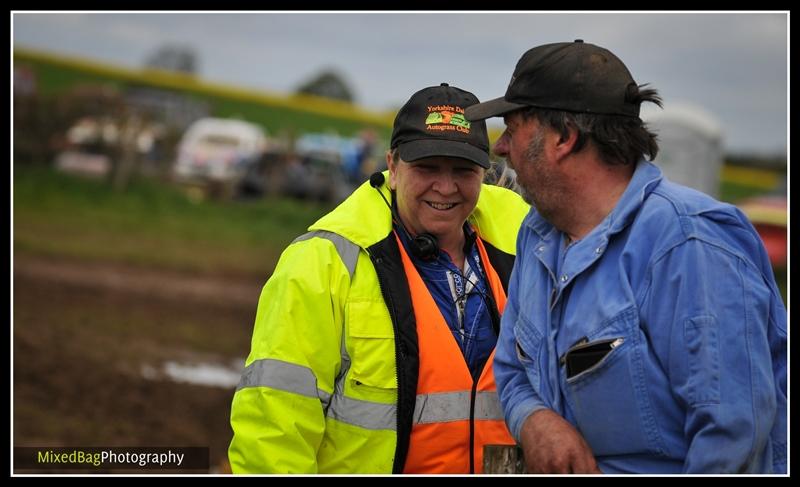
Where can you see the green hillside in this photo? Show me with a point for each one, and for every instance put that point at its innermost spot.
(301, 113)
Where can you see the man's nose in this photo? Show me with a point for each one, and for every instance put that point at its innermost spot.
(501, 146)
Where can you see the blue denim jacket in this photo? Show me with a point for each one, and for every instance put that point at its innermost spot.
(681, 285)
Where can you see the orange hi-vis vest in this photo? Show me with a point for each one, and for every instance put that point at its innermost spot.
(454, 417)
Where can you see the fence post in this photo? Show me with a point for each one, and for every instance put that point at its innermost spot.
(503, 459)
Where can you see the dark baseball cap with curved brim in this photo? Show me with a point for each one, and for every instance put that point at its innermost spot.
(492, 108)
(432, 124)
(569, 76)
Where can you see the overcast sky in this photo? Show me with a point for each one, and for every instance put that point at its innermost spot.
(733, 65)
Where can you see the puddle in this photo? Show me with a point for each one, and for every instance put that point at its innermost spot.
(204, 374)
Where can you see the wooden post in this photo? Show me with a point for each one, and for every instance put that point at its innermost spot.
(128, 155)
(503, 459)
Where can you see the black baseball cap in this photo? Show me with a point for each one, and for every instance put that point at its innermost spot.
(569, 76)
(432, 124)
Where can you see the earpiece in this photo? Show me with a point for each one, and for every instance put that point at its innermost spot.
(424, 246)
(377, 179)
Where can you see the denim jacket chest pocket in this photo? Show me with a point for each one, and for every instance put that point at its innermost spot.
(608, 394)
(530, 353)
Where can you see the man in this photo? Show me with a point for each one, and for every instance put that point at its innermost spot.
(373, 342)
(644, 331)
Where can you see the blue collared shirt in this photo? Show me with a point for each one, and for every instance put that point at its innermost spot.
(681, 285)
(462, 299)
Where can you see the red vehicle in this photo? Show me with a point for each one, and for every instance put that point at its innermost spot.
(769, 216)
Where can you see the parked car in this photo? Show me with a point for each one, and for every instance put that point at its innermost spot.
(320, 168)
(219, 152)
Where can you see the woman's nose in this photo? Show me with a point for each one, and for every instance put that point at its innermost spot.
(445, 183)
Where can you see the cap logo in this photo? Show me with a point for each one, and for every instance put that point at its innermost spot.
(446, 117)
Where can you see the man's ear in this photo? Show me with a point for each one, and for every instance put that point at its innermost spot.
(392, 170)
(565, 142)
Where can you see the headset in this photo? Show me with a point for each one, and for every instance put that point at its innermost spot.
(425, 247)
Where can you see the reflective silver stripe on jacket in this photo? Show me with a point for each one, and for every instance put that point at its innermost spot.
(364, 414)
(283, 376)
(348, 251)
(454, 406)
(297, 379)
(429, 408)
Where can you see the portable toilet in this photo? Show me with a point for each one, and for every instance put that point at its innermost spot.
(689, 145)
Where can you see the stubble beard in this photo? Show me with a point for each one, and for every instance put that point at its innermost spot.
(533, 156)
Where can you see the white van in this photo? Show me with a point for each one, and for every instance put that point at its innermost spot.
(217, 150)
(690, 149)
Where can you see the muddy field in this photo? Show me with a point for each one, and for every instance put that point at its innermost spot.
(92, 344)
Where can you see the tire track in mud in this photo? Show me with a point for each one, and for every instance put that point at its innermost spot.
(162, 284)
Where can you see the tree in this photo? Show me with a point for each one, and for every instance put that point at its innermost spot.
(182, 59)
(329, 84)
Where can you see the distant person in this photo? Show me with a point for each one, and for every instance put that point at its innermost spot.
(644, 332)
(358, 156)
(373, 342)
(366, 159)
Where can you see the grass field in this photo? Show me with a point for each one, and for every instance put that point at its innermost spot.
(152, 224)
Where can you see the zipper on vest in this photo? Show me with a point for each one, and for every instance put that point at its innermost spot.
(398, 354)
(472, 398)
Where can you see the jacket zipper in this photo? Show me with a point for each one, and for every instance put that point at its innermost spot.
(472, 398)
(398, 354)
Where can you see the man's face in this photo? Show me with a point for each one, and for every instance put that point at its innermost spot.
(436, 194)
(524, 146)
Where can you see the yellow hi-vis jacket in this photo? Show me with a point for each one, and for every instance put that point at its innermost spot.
(330, 383)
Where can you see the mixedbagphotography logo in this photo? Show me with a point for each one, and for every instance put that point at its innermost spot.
(105, 459)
